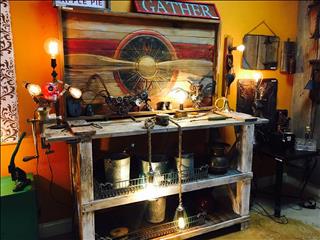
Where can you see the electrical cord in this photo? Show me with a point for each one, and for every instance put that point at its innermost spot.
(263, 212)
(51, 184)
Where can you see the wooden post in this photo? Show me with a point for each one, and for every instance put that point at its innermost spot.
(87, 229)
(245, 165)
(74, 165)
(82, 179)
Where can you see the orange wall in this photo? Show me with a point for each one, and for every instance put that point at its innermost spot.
(35, 21)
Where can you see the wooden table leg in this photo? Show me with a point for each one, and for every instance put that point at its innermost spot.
(82, 180)
(86, 189)
(245, 165)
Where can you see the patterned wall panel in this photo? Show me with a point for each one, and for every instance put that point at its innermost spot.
(9, 100)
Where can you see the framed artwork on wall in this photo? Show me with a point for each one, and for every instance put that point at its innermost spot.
(127, 54)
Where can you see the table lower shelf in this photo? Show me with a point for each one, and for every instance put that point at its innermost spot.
(215, 223)
(232, 176)
(201, 225)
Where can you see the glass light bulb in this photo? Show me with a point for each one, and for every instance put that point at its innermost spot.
(257, 76)
(52, 47)
(75, 92)
(181, 96)
(181, 218)
(181, 223)
(33, 89)
(241, 48)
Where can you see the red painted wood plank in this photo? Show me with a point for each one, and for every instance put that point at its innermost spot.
(108, 47)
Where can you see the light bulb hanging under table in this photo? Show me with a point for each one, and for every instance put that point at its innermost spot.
(180, 217)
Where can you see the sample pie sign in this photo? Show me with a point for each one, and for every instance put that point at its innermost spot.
(97, 4)
(178, 8)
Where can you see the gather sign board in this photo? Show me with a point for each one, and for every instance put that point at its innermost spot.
(97, 4)
(183, 8)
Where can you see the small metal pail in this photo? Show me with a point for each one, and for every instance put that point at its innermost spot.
(117, 170)
(187, 167)
(159, 164)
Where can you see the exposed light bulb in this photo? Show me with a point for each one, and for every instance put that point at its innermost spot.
(75, 92)
(150, 188)
(150, 191)
(181, 223)
(52, 47)
(33, 89)
(181, 218)
(181, 96)
(241, 48)
(257, 76)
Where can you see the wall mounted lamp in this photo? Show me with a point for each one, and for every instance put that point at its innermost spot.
(228, 73)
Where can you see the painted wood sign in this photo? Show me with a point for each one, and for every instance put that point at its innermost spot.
(127, 55)
(97, 4)
(178, 8)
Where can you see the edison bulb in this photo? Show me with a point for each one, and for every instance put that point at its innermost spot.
(33, 89)
(257, 76)
(181, 96)
(181, 218)
(181, 223)
(52, 47)
(150, 191)
(241, 48)
(75, 92)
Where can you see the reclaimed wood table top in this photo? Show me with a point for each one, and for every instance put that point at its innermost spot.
(128, 127)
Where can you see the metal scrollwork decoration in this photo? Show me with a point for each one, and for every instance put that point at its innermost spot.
(120, 105)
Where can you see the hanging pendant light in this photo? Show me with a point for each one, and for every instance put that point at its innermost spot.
(150, 188)
(180, 217)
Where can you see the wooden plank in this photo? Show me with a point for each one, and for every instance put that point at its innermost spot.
(127, 127)
(86, 189)
(238, 116)
(213, 180)
(209, 227)
(244, 165)
(73, 26)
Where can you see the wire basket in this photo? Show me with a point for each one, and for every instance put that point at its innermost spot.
(108, 190)
(159, 230)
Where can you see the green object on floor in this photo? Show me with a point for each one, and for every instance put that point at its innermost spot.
(18, 211)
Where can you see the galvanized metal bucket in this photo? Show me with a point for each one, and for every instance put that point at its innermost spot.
(117, 170)
(187, 166)
(156, 210)
(159, 164)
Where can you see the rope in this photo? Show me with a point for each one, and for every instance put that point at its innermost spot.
(149, 124)
(180, 161)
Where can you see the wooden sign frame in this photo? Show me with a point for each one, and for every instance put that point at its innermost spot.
(131, 18)
(180, 8)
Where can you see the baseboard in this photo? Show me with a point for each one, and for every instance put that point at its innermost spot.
(55, 228)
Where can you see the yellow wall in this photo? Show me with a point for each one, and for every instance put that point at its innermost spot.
(35, 21)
